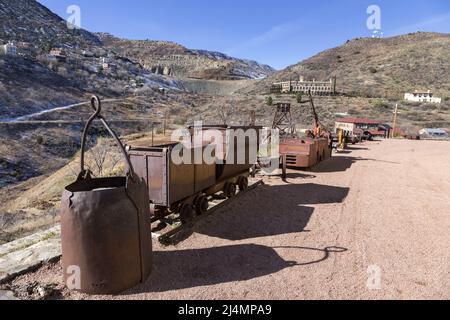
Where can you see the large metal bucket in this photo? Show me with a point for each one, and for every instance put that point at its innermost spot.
(105, 228)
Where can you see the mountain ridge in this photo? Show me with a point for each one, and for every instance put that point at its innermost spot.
(386, 67)
(171, 58)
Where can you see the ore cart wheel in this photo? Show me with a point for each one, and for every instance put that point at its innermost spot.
(201, 205)
(243, 183)
(253, 171)
(152, 210)
(230, 190)
(187, 213)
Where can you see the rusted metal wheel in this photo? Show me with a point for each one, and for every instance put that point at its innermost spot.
(201, 204)
(253, 171)
(243, 183)
(152, 210)
(187, 213)
(230, 190)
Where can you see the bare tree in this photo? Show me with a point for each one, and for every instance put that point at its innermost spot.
(224, 112)
(103, 158)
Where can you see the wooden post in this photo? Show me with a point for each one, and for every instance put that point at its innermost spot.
(153, 133)
(165, 122)
(395, 121)
(284, 174)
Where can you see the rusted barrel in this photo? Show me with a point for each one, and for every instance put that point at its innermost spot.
(105, 228)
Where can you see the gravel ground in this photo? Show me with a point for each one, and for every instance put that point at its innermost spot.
(372, 223)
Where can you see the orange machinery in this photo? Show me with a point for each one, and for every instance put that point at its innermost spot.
(309, 151)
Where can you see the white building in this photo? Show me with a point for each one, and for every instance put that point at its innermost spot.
(422, 96)
(316, 87)
(9, 49)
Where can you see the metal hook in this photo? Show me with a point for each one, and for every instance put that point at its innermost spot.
(96, 105)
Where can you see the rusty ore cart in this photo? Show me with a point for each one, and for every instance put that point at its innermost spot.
(305, 153)
(184, 189)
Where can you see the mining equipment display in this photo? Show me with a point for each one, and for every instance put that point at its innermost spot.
(301, 152)
(184, 191)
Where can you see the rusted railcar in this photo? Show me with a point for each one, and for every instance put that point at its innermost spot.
(305, 153)
(184, 188)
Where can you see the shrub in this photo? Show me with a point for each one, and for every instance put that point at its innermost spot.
(380, 104)
(39, 140)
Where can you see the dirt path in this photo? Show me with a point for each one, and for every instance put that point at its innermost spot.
(384, 208)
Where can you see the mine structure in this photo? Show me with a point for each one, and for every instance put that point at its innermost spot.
(319, 88)
(306, 152)
(283, 120)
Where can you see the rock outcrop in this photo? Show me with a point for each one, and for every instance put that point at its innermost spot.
(169, 58)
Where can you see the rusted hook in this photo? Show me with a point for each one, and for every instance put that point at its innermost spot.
(96, 105)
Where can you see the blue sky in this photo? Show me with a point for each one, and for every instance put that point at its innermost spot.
(278, 33)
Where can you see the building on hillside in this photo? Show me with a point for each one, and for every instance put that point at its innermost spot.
(354, 126)
(422, 96)
(25, 49)
(434, 134)
(58, 54)
(108, 66)
(302, 86)
(9, 49)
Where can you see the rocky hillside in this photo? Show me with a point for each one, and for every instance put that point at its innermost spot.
(379, 67)
(168, 58)
(35, 79)
(29, 21)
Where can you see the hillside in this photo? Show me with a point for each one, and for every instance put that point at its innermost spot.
(29, 21)
(169, 58)
(35, 80)
(379, 67)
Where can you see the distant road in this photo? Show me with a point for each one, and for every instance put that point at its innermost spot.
(40, 113)
(70, 121)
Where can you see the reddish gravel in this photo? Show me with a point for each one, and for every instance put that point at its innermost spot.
(382, 206)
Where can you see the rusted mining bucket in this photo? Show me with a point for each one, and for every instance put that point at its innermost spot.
(105, 228)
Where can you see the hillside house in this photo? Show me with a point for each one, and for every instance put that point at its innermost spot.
(107, 66)
(25, 49)
(58, 55)
(422, 96)
(302, 86)
(9, 49)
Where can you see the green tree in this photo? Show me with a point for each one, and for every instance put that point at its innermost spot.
(269, 101)
(299, 98)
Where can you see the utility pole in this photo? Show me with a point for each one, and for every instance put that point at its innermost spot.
(394, 125)
(153, 134)
(165, 122)
(252, 118)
